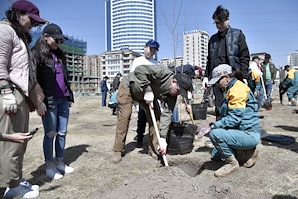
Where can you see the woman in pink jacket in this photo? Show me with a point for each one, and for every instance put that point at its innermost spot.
(15, 61)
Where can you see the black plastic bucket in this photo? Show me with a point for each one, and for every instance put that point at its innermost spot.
(180, 138)
(199, 111)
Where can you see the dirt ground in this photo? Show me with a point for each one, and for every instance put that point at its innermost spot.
(89, 144)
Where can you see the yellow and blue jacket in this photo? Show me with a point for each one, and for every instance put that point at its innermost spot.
(292, 78)
(239, 109)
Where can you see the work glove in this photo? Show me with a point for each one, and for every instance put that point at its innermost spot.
(205, 82)
(149, 97)
(42, 109)
(204, 130)
(9, 103)
(245, 81)
(162, 147)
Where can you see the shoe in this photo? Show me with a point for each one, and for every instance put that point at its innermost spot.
(64, 168)
(253, 154)
(139, 142)
(209, 144)
(116, 157)
(33, 187)
(24, 190)
(230, 166)
(53, 173)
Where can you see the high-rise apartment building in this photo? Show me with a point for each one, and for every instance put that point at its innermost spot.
(129, 24)
(293, 59)
(195, 48)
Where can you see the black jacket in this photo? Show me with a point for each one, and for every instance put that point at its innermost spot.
(46, 76)
(230, 48)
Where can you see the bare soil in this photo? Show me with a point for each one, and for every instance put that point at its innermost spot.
(89, 145)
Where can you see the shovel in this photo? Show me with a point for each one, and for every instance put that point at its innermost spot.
(267, 105)
(157, 132)
(189, 113)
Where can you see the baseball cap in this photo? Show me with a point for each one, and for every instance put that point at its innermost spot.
(184, 82)
(220, 71)
(255, 57)
(153, 44)
(267, 56)
(29, 8)
(286, 67)
(54, 30)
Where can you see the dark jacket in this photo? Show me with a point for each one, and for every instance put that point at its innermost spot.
(116, 83)
(230, 48)
(46, 75)
(272, 69)
(103, 86)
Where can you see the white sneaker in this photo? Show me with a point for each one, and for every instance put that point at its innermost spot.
(31, 186)
(53, 173)
(64, 168)
(24, 190)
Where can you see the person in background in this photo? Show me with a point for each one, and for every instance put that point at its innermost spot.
(239, 127)
(113, 103)
(150, 49)
(291, 83)
(254, 81)
(116, 82)
(145, 85)
(269, 74)
(52, 75)
(227, 46)
(104, 91)
(15, 64)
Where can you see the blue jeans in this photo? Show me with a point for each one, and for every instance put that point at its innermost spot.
(225, 141)
(55, 127)
(175, 116)
(268, 88)
(104, 98)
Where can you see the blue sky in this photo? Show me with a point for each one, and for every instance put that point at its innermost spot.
(269, 26)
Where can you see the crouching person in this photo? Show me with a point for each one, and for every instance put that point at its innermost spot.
(238, 130)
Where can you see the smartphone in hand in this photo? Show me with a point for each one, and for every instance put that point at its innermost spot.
(34, 131)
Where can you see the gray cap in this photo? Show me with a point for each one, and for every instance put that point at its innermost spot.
(220, 71)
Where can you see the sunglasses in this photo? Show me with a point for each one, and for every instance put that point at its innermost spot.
(58, 40)
(33, 22)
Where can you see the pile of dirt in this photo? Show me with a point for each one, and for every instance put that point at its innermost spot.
(170, 182)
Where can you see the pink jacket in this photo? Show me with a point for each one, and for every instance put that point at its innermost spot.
(13, 58)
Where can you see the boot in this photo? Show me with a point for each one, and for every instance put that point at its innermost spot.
(293, 102)
(117, 157)
(232, 165)
(253, 157)
(139, 141)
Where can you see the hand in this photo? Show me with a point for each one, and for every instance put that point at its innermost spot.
(9, 103)
(256, 94)
(69, 103)
(42, 109)
(187, 108)
(204, 130)
(17, 137)
(205, 81)
(149, 97)
(162, 147)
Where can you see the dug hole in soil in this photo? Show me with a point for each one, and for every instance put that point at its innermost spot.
(89, 145)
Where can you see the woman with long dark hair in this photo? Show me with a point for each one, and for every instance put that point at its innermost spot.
(15, 64)
(52, 75)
